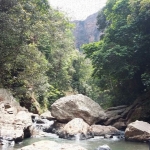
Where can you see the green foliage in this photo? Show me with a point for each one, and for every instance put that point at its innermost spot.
(35, 46)
(121, 59)
(82, 74)
(101, 20)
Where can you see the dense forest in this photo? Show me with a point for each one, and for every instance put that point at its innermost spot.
(39, 62)
(121, 59)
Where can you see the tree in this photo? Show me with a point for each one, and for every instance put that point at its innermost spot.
(121, 58)
(35, 44)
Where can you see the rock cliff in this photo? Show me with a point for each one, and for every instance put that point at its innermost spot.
(86, 31)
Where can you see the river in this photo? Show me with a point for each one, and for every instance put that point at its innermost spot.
(90, 144)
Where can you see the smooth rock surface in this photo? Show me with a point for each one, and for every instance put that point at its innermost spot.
(76, 129)
(138, 131)
(77, 106)
(99, 130)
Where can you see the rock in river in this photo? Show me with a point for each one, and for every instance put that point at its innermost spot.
(76, 129)
(100, 130)
(77, 106)
(138, 131)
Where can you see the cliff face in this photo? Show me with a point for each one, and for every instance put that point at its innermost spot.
(86, 31)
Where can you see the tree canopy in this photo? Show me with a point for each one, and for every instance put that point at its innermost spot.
(38, 58)
(35, 39)
(121, 59)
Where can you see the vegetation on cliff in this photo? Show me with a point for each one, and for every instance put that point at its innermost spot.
(121, 59)
(38, 59)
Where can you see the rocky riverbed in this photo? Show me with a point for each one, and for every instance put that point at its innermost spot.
(75, 117)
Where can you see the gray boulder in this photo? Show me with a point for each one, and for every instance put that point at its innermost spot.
(138, 131)
(76, 129)
(77, 106)
(99, 130)
(16, 126)
(15, 121)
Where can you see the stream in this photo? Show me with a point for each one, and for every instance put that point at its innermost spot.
(90, 144)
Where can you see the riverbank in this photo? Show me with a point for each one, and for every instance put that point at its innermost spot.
(90, 144)
(77, 125)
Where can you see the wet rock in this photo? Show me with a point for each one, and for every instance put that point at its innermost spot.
(57, 127)
(39, 121)
(99, 130)
(76, 129)
(108, 136)
(103, 147)
(45, 125)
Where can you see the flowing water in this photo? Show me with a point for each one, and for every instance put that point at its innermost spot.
(90, 144)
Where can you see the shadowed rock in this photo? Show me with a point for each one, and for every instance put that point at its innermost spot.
(47, 115)
(99, 130)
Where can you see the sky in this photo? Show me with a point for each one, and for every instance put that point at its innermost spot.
(78, 9)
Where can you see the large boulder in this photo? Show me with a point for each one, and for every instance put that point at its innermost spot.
(99, 130)
(15, 126)
(51, 145)
(77, 106)
(138, 131)
(76, 129)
